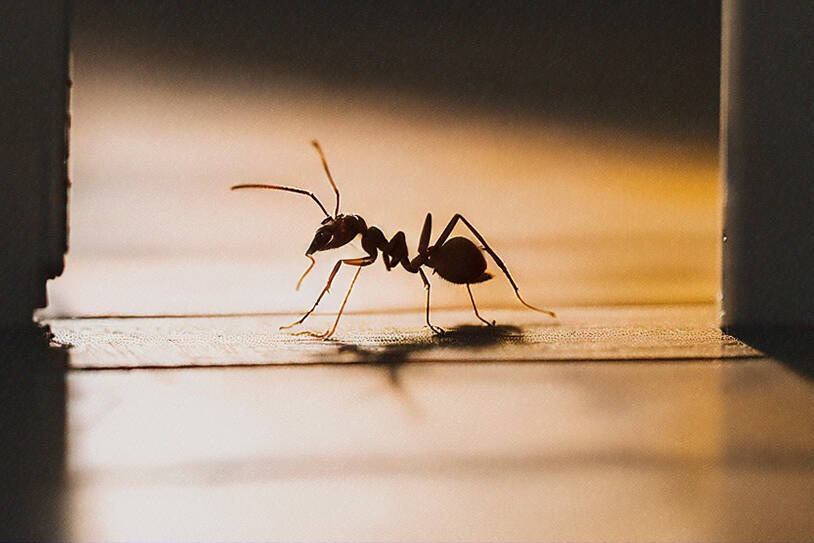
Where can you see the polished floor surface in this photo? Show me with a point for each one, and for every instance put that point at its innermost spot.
(369, 444)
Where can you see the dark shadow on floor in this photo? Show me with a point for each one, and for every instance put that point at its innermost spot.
(392, 356)
(792, 346)
(32, 436)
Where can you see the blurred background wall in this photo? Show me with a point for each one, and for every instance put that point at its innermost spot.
(648, 65)
(580, 137)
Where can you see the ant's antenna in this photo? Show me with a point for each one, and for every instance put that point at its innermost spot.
(316, 145)
(288, 189)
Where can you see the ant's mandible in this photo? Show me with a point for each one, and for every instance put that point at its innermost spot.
(457, 259)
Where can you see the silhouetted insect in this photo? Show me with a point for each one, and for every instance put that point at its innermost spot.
(457, 259)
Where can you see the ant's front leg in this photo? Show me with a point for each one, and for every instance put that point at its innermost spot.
(330, 332)
(351, 262)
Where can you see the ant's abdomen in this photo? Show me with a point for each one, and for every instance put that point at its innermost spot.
(460, 261)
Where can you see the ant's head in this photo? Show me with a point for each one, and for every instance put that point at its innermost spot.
(323, 237)
(335, 232)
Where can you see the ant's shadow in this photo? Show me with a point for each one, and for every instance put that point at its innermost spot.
(392, 356)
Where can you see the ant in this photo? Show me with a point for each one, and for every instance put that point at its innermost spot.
(457, 259)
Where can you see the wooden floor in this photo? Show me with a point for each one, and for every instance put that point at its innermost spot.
(604, 426)
(578, 334)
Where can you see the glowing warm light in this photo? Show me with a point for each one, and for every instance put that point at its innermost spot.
(579, 217)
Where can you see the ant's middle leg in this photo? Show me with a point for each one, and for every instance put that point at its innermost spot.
(350, 262)
(436, 329)
(448, 230)
(487, 323)
(424, 240)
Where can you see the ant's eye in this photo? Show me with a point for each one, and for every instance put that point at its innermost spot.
(323, 237)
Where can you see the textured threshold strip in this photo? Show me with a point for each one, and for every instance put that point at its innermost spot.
(637, 334)
(397, 362)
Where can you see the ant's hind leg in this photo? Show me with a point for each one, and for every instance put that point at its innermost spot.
(448, 230)
(487, 323)
(436, 329)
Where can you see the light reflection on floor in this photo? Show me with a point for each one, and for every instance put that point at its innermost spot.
(670, 451)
